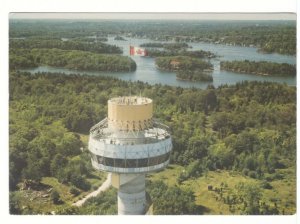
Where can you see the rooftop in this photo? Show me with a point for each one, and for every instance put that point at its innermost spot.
(130, 100)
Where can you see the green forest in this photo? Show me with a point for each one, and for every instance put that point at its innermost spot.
(259, 68)
(71, 59)
(167, 46)
(151, 52)
(267, 36)
(245, 133)
(76, 44)
(77, 54)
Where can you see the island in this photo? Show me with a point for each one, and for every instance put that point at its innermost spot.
(168, 46)
(82, 44)
(186, 68)
(259, 68)
(71, 59)
(119, 38)
(196, 54)
(174, 49)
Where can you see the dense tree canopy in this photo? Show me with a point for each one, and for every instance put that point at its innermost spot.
(171, 200)
(259, 68)
(151, 52)
(96, 47)
(196, 75)
(249, 127)
(178, 63)
(72, 59)
(167, 46)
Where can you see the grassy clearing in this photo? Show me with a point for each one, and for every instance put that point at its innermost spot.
(208, 198)
(283, 191)
(168, 175)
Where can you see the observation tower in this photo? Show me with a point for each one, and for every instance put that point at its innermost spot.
(129, 143)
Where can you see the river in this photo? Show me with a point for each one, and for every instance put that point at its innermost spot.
(147, 72)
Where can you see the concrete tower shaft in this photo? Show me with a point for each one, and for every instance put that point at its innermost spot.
(130, 143)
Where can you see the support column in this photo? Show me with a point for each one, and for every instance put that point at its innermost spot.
(131, 194)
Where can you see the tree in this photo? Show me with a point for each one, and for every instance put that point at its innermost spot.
(222, 156)
(58, 163)
(171, 200)
(34, 169)
(55, 197)
(251, 195)
(14, 204)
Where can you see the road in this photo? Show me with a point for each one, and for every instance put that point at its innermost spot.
(106, 184)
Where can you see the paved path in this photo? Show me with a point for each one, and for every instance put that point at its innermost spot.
(106, 184)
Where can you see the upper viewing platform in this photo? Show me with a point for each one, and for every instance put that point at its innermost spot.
(130, 100)
(130, 113)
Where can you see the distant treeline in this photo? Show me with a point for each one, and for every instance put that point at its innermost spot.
(89, 39)
(268, 39)
(168, 46)
(163, 53)
(268, 36)
(259, 68)
(96, 47)
(72, 59)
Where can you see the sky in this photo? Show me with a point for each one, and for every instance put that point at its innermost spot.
(168, 16)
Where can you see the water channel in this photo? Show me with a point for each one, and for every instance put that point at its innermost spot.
(147, 72)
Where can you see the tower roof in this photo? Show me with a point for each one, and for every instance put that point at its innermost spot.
(130, 100)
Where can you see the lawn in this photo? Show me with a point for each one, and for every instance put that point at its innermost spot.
(283, 191)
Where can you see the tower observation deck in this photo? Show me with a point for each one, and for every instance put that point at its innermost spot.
(130, 143)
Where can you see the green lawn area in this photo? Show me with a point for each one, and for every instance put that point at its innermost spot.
(283, 192)
(207, 198)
